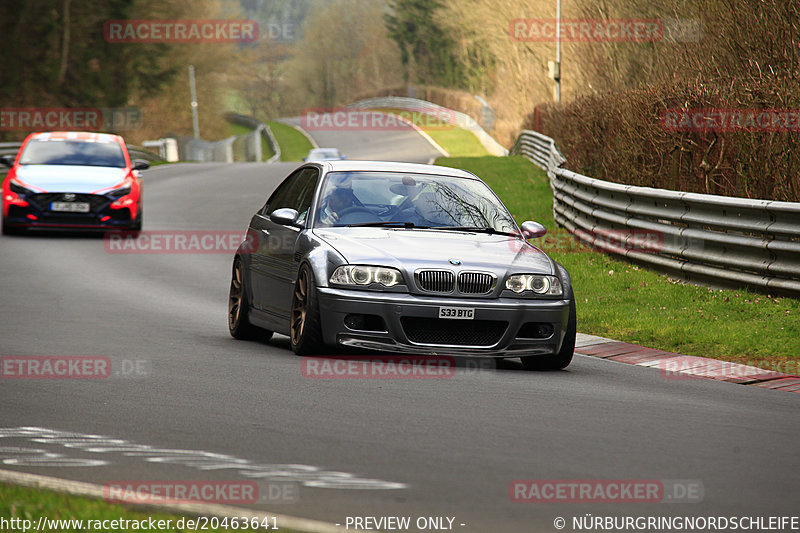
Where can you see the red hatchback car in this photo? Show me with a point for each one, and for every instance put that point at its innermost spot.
(72, 180)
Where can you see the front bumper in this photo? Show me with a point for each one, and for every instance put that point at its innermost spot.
(102, 219)
(411, 324)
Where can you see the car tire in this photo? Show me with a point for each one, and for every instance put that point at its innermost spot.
(8, 230)
(305, 326)
(563, 358)
(238, 308)
(137, 226)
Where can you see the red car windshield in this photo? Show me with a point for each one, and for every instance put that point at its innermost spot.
(69, 152)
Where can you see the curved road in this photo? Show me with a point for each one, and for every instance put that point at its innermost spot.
(417, 448)
(367, 135)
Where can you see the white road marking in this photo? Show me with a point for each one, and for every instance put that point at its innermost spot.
(307, 475)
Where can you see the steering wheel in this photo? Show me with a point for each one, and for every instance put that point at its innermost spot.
(346, 213)
(405, 204)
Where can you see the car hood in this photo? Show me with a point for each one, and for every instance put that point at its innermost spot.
(411, 249)
(68, 178)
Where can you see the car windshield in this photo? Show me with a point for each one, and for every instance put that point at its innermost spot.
(410, 200)
(68, 152)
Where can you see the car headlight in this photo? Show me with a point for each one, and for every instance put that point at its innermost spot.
(15, 187)
(539, 284)
(366, 275)
(116, 193)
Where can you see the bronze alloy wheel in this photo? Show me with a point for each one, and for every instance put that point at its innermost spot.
(299, 307)
(305, 327)
(239, 308)
(235, 298)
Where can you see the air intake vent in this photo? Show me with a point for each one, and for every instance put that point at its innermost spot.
(475, 282)
(453, 332)
(441, 281)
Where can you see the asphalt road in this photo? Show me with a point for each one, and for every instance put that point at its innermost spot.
(367, 135)
(408, 447)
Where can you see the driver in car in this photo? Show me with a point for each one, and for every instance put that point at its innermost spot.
(339, 200)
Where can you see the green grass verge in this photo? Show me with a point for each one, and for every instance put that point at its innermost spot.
(294, 145)
(457, 141)
(31, 504)
(623, 301)
(237, 129)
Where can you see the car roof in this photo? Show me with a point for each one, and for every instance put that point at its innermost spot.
(86, 136)
(392, 166)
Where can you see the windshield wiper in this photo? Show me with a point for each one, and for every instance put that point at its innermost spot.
(381, 224)
(476, 229)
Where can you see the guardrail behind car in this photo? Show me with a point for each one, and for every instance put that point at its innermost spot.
(703, 237)
(8, 149)
(235, 148)
(138, 152)
(253, 140)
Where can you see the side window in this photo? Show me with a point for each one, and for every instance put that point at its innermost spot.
(283, 195)
(306, 190)
(296, 192)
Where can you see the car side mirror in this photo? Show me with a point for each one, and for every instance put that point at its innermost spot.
(7, 160)
(533, 230)
(285, 216)
(140, 164)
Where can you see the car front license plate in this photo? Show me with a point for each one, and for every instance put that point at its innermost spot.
(70, 207)
(458, 313)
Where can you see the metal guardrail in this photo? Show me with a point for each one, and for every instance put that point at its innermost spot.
(139, 152)
(191, 149)
(539, 149)
(724, 240)
(167, 148)
(252, 141)
(456, 118)
(9, 148)
(245, 147)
